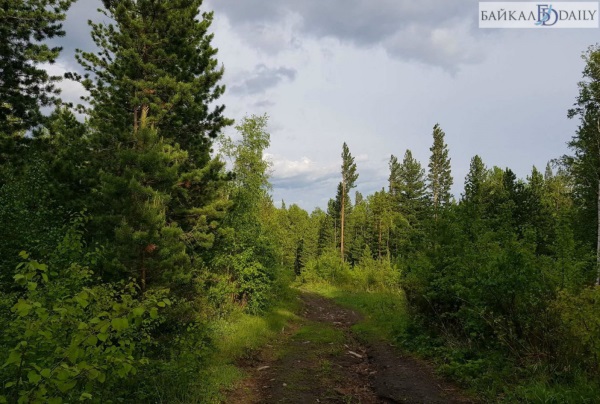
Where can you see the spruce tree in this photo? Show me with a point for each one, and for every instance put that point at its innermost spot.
(382, 221)
(440, 177)
(474, 181)
(349, 177)
(407, 187)
(394, 178)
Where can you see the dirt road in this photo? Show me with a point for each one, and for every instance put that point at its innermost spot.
(319, 360)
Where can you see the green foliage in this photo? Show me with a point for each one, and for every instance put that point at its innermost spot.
(31, 217)
(70, 340)
(24, 86)
(585, 164)
(248, 254)
(135, 196)
(440, 177)
(156, 63)
(252, 282)
(368, 275)
(580, 325)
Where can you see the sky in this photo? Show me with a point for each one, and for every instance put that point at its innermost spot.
(378, 75)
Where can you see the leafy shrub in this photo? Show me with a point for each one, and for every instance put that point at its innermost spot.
(580, 324)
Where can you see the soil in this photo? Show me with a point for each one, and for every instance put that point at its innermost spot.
(319, 360)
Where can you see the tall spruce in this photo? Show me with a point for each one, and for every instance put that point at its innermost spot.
(24, 85)
(440, 177)
(585, 164)
(349, 177)
(474, 181)
(407, 187)
(394, 184)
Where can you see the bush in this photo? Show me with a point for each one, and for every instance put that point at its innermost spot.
(580, 328)
(368, 275)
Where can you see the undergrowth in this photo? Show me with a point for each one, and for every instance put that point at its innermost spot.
(490, 375)
(236, 337)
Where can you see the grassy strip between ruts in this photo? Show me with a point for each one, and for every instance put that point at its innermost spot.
(385, 312)
(488, 375)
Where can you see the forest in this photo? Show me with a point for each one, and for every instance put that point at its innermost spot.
(142, 254)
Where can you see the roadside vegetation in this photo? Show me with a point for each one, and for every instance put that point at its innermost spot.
(142, 255)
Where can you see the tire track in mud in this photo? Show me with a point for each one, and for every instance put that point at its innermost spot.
(319, 360)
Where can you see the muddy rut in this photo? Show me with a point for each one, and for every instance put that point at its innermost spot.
(319, 360)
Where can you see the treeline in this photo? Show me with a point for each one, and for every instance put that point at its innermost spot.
(124, 237)
(505, 278)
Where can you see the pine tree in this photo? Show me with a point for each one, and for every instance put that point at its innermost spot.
(153, 86)
(24, 86)
(136, 195)
(349, 177)
(156, 63)
(473, 199)
(440, 177)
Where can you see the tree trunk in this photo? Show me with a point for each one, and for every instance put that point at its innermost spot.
(342, 221)
(379, 246)
(598, 240)
(143, 273)
(135, 119)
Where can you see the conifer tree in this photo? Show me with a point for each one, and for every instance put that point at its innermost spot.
(153, 87)
(156, 63)
(349, 177)
(24, 86)
(382, 218)
(440, 177)
(407, 186)
(474, 181)
(473, 197)
(394, 179)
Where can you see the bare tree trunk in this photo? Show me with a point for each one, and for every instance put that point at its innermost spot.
(144, 116)
(379, 246)
(342, 221)
(334, 233)
(143, 272)
(135, 119)
(598, 239)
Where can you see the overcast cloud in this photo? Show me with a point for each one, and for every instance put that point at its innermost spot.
(379, 74)
(431, 31)
(261, 79)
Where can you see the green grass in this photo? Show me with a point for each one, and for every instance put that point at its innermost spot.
(236, 337)
(385, 313)
(319, 334)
